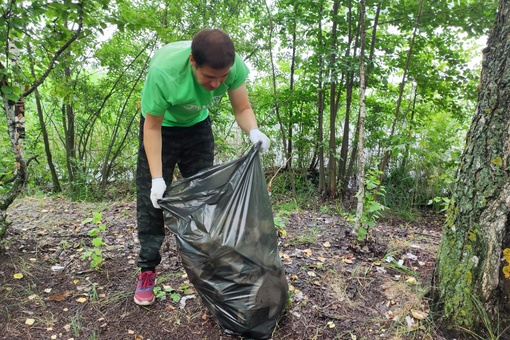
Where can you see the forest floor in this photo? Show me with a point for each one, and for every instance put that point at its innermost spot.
(338, 290)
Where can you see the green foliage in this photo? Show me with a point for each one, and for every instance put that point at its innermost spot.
(94, 254)
(162, 291)
(372, 209)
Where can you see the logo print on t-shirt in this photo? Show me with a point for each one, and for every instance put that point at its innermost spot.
(194, 107)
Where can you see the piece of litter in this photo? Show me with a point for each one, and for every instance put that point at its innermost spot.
(182, 304)
(381, 270)
(412, 256)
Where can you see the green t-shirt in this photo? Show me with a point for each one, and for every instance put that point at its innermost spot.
(172, 90)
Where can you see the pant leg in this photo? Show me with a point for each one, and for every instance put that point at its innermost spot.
(197, 152)
(192, 148)
(151, 228)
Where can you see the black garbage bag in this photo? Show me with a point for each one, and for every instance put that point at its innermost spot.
(225, 233)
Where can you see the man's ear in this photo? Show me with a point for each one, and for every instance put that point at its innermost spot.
(191, 60)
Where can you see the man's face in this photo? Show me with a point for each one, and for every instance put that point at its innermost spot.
(208, 77)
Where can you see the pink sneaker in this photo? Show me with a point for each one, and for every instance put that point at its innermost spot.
(144, 293)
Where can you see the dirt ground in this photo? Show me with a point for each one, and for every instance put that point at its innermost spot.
(338, 290)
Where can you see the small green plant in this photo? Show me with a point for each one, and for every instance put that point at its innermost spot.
(95, 253)
(439, 202)
(280, 220)
(372, 209)
(161, 291)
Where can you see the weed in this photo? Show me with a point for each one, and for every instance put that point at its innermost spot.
(372, 209)
(439, 203)
(95, 253)
(309, 238)
(280, 220)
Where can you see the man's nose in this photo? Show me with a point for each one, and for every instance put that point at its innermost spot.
(215, 83)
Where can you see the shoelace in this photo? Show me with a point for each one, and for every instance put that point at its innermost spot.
(146, 280)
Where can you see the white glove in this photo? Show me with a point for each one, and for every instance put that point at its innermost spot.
(257, 136)
(157, 191)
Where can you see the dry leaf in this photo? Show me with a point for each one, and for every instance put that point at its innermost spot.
(321, 259)
(307, 252)
(419, 315)
(331, 324)
(326, 244)
(81, 300)
(311, 274)
(18, 276)
(411, 280)
(284, 257)
(57, 297)
(29, 322)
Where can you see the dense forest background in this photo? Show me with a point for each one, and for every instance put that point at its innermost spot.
(78, 68)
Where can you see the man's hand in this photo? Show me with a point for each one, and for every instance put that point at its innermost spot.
(157, 191)
(257, 136)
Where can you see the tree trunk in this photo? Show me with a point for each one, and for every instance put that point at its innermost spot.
(361, 131)
(354, 151)
(320, 109)
(473, 262)
(332, 189)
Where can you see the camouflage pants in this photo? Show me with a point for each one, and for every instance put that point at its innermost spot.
(191, 149)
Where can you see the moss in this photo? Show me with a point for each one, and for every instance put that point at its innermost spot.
(472, 236)
(469, 277)
(497, 161)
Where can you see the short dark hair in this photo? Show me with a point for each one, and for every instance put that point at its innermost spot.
(213, 48)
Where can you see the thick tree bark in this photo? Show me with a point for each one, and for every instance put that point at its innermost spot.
(474, 256)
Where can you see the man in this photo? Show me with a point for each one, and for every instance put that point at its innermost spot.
(183, 81)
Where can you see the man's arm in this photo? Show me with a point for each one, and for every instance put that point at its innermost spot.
(152, 143)
(243, 112)
(246, 118)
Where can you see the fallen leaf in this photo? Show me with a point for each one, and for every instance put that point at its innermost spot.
(294, 277)
(419, 315)
(411, 280)
(18, 276)
(322, 259)
(47, 290)
(33, 296)
(81, 300)
(57, 297)
(331, 324)
(29, 322)
(326, 244)
(311, 274)
(307, 252)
